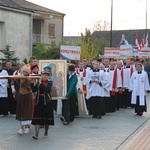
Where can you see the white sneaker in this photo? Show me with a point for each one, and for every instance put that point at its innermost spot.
(26, 130)
(20, 131)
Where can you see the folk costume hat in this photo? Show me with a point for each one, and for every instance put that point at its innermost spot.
(48, 66)
(71, 68)
(25, 69)
(33, 66)
(46, 72)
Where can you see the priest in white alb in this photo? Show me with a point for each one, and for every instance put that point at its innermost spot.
(139, 85)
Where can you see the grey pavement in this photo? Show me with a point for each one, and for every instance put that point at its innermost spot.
(113, 132)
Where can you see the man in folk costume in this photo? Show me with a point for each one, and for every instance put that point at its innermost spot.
(69, 104)
(82, 89)
(3, 92)
(116, 83)
(128, 69)
(139, 85)
(96, 80)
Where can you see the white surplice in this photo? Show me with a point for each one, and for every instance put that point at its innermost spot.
(139, 84)
(94, 88)
(118, 80)
(81, 99)
(3, 84)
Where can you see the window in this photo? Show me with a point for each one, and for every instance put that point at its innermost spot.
(52, 30)
(2, 35)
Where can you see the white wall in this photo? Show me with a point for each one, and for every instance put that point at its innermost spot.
(17, 32)
(58, 30)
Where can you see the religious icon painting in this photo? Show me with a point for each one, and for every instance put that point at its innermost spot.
(59, 77)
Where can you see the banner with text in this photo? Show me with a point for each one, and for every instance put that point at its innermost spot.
(70, 52)
(126, 51)
(112, 52)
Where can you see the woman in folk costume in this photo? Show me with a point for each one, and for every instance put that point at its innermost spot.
(24, 101)
(3, 92)
(139, 85)
(82, 89)
(43, 113)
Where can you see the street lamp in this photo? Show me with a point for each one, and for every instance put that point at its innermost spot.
(146, 16)
(111, 22)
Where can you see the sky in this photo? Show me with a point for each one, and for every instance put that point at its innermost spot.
(82, 14)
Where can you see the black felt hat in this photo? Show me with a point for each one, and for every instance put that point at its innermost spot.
(71, 68)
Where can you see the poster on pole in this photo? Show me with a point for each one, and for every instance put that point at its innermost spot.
(112, 52)
(126, 51)
(70, 52)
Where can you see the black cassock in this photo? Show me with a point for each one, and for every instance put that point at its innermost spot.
(11, 101)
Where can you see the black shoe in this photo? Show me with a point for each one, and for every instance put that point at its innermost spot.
(62, 119)
(99, 117)
(140, 113)
(94, 116)
(65, 123)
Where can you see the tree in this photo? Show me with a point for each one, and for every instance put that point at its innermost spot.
(9, 55)
(101, 25)
(53, 52)
(91, 48)
(39, 51)
(42, 52)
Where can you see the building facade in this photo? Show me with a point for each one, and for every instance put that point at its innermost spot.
(24, 24)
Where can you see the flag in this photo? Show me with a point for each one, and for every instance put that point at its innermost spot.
(123, 41)
(146, 40)
(142, 44)
(137, 42)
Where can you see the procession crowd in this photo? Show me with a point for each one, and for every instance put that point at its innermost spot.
(93, 88)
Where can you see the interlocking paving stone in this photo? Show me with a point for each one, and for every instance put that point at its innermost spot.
(112, 132)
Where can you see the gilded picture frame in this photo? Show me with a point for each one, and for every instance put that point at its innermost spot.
(59, 77)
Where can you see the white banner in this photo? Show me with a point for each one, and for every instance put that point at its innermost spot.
(143, 53)
(111, 52)
(70, 52)
(126, 51)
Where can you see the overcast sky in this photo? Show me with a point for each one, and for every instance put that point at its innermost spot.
(82, 14)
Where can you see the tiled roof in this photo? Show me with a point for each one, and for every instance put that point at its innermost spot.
(25, 5)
